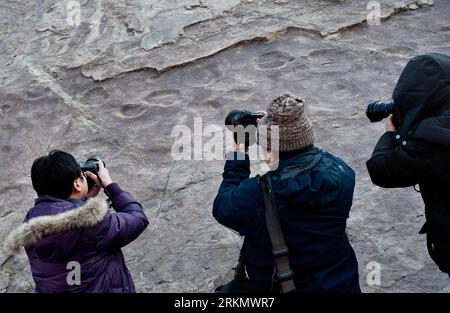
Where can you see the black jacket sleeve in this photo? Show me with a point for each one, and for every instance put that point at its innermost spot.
(401, 164)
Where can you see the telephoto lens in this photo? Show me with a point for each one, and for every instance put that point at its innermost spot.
(378, 110)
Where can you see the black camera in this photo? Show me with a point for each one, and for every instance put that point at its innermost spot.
(91, 166)
(379, 110)
(244, 118)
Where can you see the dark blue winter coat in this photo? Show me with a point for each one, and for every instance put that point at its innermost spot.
(313, 209)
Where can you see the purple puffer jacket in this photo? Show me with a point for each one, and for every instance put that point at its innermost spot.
(56, 232)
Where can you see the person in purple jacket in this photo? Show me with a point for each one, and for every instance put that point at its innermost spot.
(72, 240)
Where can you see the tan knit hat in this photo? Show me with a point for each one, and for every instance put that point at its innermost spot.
(294, 129)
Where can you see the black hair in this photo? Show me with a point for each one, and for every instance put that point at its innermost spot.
(54, 174)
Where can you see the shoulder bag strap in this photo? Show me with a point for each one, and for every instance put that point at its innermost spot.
(279, 248)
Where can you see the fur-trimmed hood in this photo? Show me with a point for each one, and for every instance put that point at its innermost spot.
(29, 233)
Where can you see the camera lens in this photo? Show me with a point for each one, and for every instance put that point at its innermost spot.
(378, 110)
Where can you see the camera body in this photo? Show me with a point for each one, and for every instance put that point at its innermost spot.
(244, 118)
(91, 166)
(379, 110)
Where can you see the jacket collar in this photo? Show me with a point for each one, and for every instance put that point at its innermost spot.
(303, 156)
(87, 215)
(47, 198)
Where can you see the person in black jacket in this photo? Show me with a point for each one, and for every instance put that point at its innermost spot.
(417, 151)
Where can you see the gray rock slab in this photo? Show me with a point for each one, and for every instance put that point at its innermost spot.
(119, 82)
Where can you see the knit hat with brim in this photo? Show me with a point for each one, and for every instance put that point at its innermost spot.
(294, 129)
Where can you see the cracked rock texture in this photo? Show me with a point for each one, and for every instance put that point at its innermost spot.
(117, 80)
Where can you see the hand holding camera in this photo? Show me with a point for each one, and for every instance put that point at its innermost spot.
(243, 118)
(390, 126)
(95, 188)
(102, 179)
(96, 174)
(378, 110)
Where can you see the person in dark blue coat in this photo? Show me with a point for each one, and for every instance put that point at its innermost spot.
(313, 191)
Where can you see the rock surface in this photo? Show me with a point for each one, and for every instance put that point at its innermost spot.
(118, 79)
